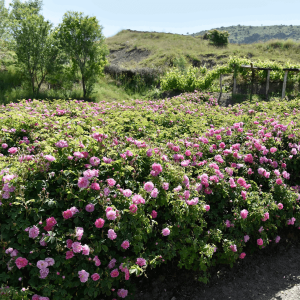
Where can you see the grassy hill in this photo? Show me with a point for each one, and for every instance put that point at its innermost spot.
(252, 34)
(137, 49)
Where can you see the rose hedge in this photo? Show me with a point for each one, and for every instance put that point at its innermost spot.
(95, 193)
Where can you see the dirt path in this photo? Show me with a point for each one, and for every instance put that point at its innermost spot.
(271, 274)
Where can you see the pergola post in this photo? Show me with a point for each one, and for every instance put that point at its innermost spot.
(252, 79)
(284, 84)
(268, 80)
(220, 88)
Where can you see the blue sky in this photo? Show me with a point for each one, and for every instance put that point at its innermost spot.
(176, 16)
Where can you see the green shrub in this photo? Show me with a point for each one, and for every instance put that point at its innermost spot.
(200, 167)
(218, 38)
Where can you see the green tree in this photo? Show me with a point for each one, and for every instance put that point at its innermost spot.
(36, 48)
(4, 21)
(218, 38)
(17, 8)
(81, 38)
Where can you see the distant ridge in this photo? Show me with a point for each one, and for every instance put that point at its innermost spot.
(240, 34)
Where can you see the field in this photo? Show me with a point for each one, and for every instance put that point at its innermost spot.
(95, 194)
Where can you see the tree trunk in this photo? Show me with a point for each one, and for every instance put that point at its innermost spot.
(83, 86)
(32, 82)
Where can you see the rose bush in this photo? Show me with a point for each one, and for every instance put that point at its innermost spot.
(95, 193)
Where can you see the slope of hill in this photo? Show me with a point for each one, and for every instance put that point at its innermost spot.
(136, 49)
(252, 34)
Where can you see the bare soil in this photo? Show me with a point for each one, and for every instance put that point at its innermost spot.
(272, 273)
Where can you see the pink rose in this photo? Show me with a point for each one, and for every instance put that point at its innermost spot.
(154, 214)
(242, 255)
(148, 186)
(133, 208)
(114, 273)
(125, 245)
(207, 207)
(260, 242)
(95, 276)
(83, 182)
(111, 182)
(244, 213)
(99, 223)
(141, 261)
(122, 293)
(95, 186)
(90, 207)
(111, 234)
(233, 248)
(166, 231)
(280, 205)
(67, 214)
(21, 262)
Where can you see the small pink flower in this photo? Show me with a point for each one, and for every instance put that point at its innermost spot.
(42, 264)
(95, 186)
(13, 150)
(69, 243)
(79, 232)
(90, 207)
(111, 234)
(280, 205)
(279, 181)
(207, 207)
(141, 261)
(154, 193)
(76, 246)
(166, 231)
(133, 208)
(260, 242)
(69, 254)
(244, 213)
(49, 158)
(242, 255)
(148, 186)
(266, 217)
(34, 232)
(246, 238)
(277, 239)
(97, 261)
(67, 214)
(165, 186)
(127, 193)
(99, 223)
(85, 250)
(112, 263)
(83, 182)
(83, 275)
(273, 150)
(111, 182)
(125, 245)
(122, 293)
(21, 262)
(95, 276)
(111, 215)
(114, 273)
(233, 248)
(154, 214)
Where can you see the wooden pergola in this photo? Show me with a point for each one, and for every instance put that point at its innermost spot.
(268, 79)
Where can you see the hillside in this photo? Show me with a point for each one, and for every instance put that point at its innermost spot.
(136, 49)
(252, 34)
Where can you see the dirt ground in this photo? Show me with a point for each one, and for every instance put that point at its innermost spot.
(272, 273)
